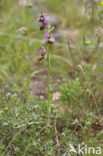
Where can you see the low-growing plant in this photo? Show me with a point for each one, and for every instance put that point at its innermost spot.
(70, 90)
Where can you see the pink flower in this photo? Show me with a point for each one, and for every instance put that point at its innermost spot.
(48, 38)
(45, 20)
(47, 25)
(43, 53)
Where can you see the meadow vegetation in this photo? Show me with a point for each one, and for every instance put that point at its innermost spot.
(76, 78)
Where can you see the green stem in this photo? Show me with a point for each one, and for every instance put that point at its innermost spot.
(48, 107)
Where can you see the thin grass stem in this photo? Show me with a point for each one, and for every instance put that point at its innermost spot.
(93, 96)
(48, 57)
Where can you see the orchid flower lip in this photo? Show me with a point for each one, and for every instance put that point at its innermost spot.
(48, 38)
(43, 53)
(42, 27)
(43, 18)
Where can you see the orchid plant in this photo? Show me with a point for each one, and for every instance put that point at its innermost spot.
(48, 39)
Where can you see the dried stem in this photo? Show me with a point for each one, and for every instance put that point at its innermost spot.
(93, 96)
(69, 49)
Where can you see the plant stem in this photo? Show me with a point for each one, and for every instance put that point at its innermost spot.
(48, 107)
(69, 49)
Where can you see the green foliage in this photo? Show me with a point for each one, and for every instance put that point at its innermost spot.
(70, 90)
(24, 129)
(23, 125)
(23, 119)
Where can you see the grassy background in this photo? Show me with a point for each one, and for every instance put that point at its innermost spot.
(76, 116)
